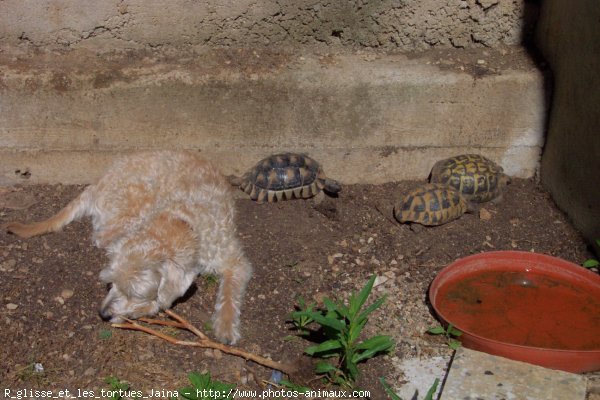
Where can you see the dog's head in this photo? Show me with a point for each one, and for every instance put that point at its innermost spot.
(149, 269)
(133, 292)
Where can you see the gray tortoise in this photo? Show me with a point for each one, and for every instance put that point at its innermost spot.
(285, 176)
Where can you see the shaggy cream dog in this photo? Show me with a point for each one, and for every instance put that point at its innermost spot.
(163, 217)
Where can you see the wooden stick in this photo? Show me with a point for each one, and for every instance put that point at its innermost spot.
(203, 341)
(173, 324)
(188, 325)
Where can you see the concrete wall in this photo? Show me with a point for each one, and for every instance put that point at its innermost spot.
(367, 119)
(568, 35)
(389, 24)
(240, 79)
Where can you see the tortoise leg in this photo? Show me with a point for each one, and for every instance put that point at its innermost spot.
(318, 198)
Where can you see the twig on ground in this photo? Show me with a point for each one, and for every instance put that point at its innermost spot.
(203, 341)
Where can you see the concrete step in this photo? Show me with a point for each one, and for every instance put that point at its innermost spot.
(474, 375)
(368, 117)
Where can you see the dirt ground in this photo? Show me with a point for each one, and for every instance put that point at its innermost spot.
(50, 291)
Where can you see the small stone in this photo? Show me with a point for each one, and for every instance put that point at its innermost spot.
(262, 296)
(359, 262)
(217, 353)
(60, 300)
(66, 294)
(330, 260)
(24, 246)
(480, 62)
(89, 372)
(12, 306)
(344, 243)
(394, 262)
(484, 214)
(379, 280)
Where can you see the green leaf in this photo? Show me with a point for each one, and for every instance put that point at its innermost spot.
(200, 381)
(376, 304)
(598, 242)
(372, 346)
(352, 370)
(432, 390)
(454, 344)
(591, 263)
(355, 330)
(388, 389)
(453, 331)
(357, 301)
(328, 321)
(436, 330)
(295, 387)
(323, 367)
(324, 347)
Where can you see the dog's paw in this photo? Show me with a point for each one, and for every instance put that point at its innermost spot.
(226, 333)
(16, 228)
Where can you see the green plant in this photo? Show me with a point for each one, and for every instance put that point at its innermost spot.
(295, 387)
(204, 388)
(451, 333)
(302, 321)
(211, 280)
(104, 334)
(342, 326)
(592, 262)
(394, 396)
(117, 388)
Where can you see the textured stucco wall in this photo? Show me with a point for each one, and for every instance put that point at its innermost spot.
(389, 24)
(568, 34)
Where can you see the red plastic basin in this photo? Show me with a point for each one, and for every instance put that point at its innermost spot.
(524, 306)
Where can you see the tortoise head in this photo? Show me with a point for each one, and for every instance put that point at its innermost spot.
(504, 180)
(331, 186)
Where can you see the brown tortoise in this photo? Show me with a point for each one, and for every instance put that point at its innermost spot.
(285, 176)
(477, 178)
(431, 204)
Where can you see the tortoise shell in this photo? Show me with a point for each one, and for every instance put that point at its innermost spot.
(286, 176)
(431, 204)
(477, 178)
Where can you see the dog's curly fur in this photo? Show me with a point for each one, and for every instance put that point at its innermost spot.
(163, 217)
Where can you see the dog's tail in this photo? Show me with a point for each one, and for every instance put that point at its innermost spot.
(77, 208)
